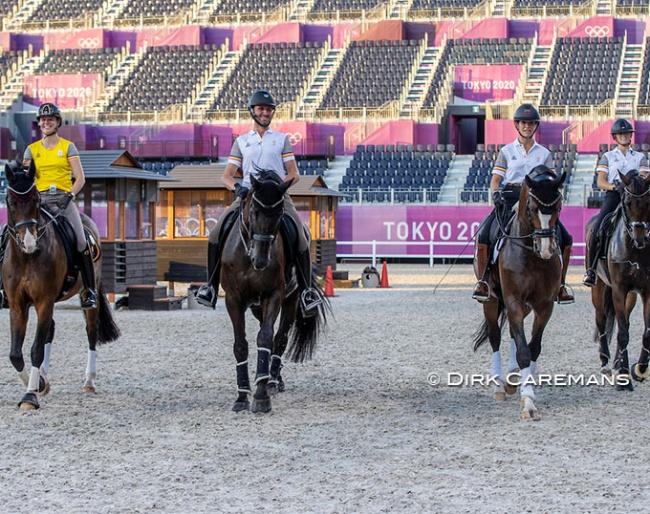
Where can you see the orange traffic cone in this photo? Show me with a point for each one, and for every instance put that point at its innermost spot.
(329, 282)
(384, 276)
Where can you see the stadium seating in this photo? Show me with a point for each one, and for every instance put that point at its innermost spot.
(70, 61)
(7, 6)
(65, 10)
(153, 10)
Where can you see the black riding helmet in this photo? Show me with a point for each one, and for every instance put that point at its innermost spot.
(260, 97)
(49, 109)
(622, 126)
(527, 112)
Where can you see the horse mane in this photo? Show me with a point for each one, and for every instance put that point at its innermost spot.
(263, 175)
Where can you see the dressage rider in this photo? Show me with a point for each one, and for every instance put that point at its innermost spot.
(57, 162)
(260, 148)
(514, 161)
(623, 159)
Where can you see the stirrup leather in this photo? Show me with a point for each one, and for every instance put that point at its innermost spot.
(310, 300)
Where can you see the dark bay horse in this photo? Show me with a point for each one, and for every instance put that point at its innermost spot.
(624, 274)
(34, 272)
(256, 274)
(525, 277)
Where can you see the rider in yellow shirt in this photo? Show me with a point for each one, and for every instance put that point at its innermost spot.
(57, 162)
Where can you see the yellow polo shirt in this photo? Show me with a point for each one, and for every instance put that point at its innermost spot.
(52, 166)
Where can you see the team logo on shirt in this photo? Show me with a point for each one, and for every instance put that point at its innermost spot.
(60, 153)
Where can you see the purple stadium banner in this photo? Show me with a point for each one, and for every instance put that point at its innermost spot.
(409, 230)
(64, 90)
(480, 83)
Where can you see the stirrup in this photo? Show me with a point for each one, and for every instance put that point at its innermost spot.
(309, 301)
(4, 303)
(569, 291)
(88, 299)
(480, 298)
(587, 279)
(206, 296)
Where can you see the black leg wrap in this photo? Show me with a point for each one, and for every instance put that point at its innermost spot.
(276, 366)
(263, 358)
(243, 382)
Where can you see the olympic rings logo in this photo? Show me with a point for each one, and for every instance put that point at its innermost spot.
(295, 138)
(597, 31)
(88, 42)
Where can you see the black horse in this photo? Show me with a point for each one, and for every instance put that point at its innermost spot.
(256, 274)
(624, 273)
(525, 277)
(34, 272)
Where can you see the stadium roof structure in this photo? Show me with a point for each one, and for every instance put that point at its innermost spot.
(115, 164)
(209, 176)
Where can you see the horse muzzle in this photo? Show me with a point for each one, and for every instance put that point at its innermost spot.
(639, 233)
(544, 243)
(26, 235)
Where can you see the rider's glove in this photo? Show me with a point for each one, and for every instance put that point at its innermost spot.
(241, 191)
(619, 186)
(64, 201)
(497, 199)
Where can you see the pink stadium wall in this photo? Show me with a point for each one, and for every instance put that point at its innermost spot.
(503, 131)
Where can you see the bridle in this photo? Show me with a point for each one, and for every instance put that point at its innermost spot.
(23, 197)
(631, 225)
(246, 234)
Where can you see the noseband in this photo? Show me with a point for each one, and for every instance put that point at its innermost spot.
(631, 225)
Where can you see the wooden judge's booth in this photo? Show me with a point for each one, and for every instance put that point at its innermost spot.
(190, 205)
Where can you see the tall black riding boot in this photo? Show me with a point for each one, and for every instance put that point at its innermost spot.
(593, 253)
(207, 294)
(309, 298)
(4, 304)
(88, 296)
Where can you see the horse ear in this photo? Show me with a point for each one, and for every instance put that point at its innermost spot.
(529, 181)
(560, 180)
(286, 185)
(253, 180)
(624, 178)
(32, 169)
(9, 172)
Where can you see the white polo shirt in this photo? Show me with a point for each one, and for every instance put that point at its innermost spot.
(614, 161)
(513, 163)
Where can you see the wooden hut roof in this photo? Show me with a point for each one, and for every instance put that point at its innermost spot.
(115, 164)
(209, 176)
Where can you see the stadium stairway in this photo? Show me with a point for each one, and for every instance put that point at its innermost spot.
(335, 171)
(582, 178)
(456, 176)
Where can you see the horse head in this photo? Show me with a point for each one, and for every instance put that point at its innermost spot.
(23, 206)
(635, 202)
(543, 203)
(263, 210)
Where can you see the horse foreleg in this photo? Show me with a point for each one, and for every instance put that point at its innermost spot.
(491, 313)
(92, 316)
(261, 399)
(622, 365)
(18, 322)
(516, 319)
(641, 371)
(602, 335)
(37, 378)
(240, 349)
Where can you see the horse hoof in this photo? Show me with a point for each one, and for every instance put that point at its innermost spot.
(89, 389)
(638, 375)
(29, 402)
(624, 383)
(531, 414)
(275, 387)
(43, 387)
(499, 396)
(241, 406)
(261, 406)
(606, 372)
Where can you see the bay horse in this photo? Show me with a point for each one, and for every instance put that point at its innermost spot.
(257, 274)
(624, 274)
(525, 277)
(34, 272)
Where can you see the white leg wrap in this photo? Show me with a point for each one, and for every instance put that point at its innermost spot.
(91, 367)
(34, 378)
(512, 359)
(46, 357)
(24, 376)
(497, 366)
(527, 383)
(533, 368)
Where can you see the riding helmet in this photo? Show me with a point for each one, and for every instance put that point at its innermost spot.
(261, 97)
(622, 126)
(527, 112)
(49, 109)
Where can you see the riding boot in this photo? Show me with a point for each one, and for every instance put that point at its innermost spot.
(207, 294)
(309, 298)
(589, 278)
(4, 304)
(88, 296)
(564, 297)
(481, 291)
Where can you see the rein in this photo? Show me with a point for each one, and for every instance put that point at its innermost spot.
(254, 236)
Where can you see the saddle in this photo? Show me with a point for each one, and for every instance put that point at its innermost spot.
(66, 234)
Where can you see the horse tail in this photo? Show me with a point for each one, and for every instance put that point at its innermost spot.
(107, 330)
(482, 334)
(305, 330)
(610, 317)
